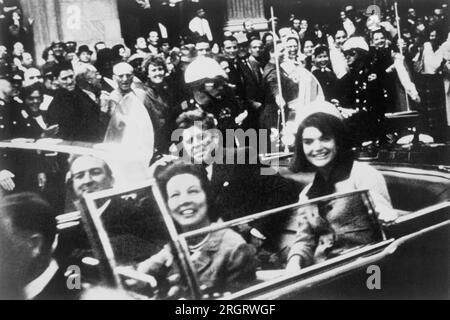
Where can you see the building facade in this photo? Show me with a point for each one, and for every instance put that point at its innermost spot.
(118, 21)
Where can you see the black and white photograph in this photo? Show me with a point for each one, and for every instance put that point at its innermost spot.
(231, 150)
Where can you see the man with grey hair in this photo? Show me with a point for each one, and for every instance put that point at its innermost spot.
(74, 108)
(88, 80)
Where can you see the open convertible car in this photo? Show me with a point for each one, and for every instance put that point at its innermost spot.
(110, 232)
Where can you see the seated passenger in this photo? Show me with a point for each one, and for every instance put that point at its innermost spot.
(89, 174)
(327, 229)
(239, 189)
(131, 227)
(222, 259)
(28, 269)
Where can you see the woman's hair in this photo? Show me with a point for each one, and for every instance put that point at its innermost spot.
(306, 40)
(46, 52)
(154, 61)
(164, 174)
(328, 125)
(372, 34)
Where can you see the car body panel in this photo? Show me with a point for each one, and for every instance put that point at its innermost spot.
(413, 257)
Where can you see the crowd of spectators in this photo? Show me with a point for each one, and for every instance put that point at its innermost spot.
(365, 67)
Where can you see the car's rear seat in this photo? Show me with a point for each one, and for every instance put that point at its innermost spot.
(415, 189)
(410, 189)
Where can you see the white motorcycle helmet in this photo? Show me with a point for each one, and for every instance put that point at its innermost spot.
(203, 68)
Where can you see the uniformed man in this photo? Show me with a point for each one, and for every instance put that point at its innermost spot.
(6, 132)
(5, 100)
(362, 94)
(208, 84)
(19, 169)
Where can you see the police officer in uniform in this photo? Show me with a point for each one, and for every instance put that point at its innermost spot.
(208, 84)
(362, 98)
(20, 170)
(7, 183)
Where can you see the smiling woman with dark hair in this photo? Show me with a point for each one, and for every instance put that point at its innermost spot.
(222, 259)
(330, 127)
(159, 101)
(192, 172)
(329, 228)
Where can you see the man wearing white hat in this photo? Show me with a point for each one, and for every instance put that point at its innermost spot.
(363, 93)
(208, 84)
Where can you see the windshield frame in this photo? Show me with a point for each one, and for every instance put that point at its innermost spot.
(179, 241)
(102, 246)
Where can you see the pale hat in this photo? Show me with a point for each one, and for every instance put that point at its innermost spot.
(318, 106)
(203, 68)
(355, 43)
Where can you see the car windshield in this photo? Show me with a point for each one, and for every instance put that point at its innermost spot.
(131, 229)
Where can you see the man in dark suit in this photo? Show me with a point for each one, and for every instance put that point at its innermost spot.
(27, 234)
(235, 76)
(246, 78)
(134, 231)
(253, 82)
(75, 111)
(240, 189)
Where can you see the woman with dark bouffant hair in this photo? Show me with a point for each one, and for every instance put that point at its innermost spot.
(327, 229)
(329, 126)
(222, 259)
